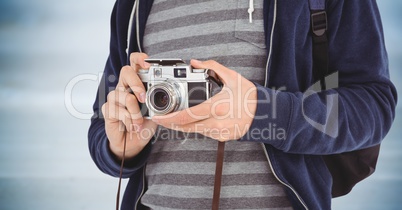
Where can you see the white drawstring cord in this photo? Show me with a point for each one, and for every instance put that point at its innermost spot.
(137, 25)
(130, 26)
(134, 11)
(251, 10)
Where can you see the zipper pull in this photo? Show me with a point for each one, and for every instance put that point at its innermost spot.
(251, 10)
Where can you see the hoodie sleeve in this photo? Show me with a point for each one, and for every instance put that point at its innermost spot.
(358, 110)
(97, 140)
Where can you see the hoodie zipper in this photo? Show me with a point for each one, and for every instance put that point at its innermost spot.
(282, 182)
(265, 84)
(142, 190)
(250, 11)
(271, 41)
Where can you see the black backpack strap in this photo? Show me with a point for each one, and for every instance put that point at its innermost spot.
(347, 168)
(319, 25)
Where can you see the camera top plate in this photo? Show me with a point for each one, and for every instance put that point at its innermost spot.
(166, 62)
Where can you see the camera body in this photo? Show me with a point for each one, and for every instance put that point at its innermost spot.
(173, 85)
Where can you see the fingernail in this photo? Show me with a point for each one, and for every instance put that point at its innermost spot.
(146, 64)
(142, 97)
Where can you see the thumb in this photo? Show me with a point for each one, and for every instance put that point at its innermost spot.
(225, 75)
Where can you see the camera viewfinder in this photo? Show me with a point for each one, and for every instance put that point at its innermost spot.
(180, 73)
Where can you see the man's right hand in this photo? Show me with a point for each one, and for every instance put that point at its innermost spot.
(123, 119)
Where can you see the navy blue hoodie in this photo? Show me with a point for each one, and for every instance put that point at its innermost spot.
(364, 104)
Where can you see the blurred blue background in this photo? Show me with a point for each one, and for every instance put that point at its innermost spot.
(45, 48)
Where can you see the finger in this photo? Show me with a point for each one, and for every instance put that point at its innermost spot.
(131, 103)
(190, 115)
(138, 60)
(130, 79)
(225, 74)
(187, 128)
(148, 129)
(207, 128)
(113, 113)
(128, 101)
(218, 107)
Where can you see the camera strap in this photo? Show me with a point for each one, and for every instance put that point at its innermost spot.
(218, 175)
(121, 174)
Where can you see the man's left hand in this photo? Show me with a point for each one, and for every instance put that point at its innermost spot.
(226, 116)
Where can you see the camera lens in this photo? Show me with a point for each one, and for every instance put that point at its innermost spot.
(160, 99)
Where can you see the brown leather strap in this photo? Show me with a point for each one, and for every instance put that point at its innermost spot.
(218, 175)
(121, 175)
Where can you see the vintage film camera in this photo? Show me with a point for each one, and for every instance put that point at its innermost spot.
(173, 85)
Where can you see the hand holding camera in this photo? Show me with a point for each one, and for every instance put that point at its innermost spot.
(123, 119)
(204, 97)
(225, 116)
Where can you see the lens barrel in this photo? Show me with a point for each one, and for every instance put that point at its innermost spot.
(162, 98)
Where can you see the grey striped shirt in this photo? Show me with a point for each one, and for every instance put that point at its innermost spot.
(180, 171)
